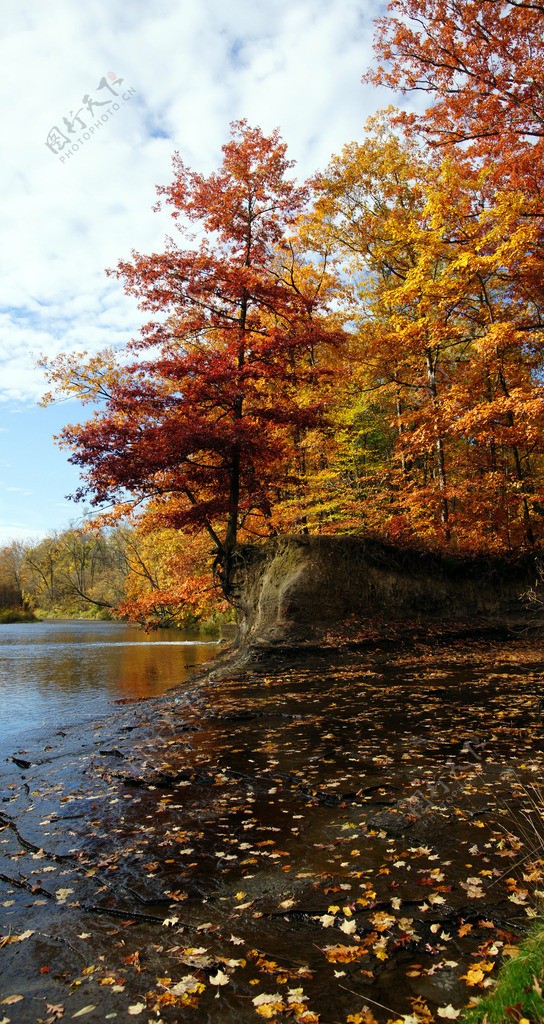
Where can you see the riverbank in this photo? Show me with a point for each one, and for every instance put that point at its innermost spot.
(11, 615)
(295, 841)
(298, 587)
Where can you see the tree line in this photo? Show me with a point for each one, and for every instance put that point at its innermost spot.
(363, 351)
(100, 573)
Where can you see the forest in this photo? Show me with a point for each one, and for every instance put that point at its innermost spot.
(115, 572)
(358, 353)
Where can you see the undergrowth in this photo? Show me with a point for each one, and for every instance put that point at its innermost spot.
(8, 615)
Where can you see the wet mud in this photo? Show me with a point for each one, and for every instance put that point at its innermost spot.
(312, 839)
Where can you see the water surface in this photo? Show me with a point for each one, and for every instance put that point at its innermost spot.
(354, 827)
(53, 673)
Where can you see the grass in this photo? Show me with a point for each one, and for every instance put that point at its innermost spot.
(16, 615)
(518, 995)
(64, 612)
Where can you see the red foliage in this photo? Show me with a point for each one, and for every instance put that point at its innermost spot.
(220, 382)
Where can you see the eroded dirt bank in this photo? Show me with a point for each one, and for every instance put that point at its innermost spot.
(297, 585)
(253, 854)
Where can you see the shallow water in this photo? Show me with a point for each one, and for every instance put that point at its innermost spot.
(60, 672)
(253, 842)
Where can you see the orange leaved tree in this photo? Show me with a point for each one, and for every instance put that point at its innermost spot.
(480, 62)
(201, 414)
(448, 341)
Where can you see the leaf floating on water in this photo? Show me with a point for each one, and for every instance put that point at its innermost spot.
(349, 927)
(63, 894)
(84, 1010)
(219, 979)
(365, 1016)
(187, 984)
(55, 1010)
(268, 1004)
(5, 940)
(327, 920)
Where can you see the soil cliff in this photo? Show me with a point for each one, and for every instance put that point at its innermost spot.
(298, 586)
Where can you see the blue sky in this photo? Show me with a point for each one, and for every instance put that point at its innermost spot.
(152, 78)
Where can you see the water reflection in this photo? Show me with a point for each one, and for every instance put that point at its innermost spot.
(52, 672)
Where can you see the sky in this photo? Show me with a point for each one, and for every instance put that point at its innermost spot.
(150, 77)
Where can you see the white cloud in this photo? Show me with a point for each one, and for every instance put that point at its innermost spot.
(18, 531)
(295, 64)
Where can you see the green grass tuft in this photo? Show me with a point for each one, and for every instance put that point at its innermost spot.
(518, 994)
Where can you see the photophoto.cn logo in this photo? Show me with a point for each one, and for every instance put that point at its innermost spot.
(77, 127)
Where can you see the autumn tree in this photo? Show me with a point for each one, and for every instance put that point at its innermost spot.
(442, 310)
(74, 571)
(11, 574)
(481, 64)
(201, 413)
(168, 581)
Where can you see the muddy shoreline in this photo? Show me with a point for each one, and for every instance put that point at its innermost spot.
(306, 835)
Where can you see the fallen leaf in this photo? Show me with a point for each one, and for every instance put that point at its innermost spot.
(63, 894)
(188, 984)
(56, 1010)
(219, 979)
(349, 927)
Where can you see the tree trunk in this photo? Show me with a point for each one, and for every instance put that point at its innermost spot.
(439, 449)
(518, 471)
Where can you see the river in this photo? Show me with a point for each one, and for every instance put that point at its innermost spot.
(57, 672)
(311, 834)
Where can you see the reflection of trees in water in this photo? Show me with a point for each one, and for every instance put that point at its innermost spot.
(72, 659)
(152, 668)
